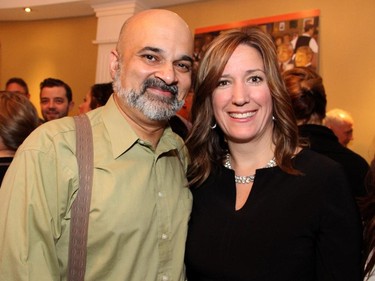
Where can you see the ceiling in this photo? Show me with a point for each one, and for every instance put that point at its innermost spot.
(12, 10)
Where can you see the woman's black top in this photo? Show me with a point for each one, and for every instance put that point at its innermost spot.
(291, 228)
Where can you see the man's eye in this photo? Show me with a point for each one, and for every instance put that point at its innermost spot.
(185, 67)
(150, 57)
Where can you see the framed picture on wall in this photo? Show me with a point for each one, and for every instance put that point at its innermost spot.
(296, 37)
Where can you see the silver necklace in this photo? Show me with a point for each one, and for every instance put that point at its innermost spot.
(246, 179)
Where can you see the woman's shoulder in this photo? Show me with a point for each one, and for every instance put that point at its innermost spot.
(218, 174)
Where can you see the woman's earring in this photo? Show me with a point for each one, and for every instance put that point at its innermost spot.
(213, 126)
(273, 118)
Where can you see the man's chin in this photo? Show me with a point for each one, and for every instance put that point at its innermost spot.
(52, 117)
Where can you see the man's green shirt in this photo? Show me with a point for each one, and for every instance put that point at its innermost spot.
(139, 209)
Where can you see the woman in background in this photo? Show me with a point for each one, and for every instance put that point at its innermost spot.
(264, 207)
(309, 101)
(96, 97)
(18, 118)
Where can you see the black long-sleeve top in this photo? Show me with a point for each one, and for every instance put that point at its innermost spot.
(292, 227)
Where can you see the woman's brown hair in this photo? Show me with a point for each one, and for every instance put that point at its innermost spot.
(18, 118)
(307, 93)
(207, 146)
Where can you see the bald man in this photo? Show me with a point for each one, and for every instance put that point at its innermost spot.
(341, 123)
(140, 202)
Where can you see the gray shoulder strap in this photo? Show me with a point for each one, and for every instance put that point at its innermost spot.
(81, 205)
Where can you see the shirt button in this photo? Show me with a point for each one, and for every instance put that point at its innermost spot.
(165, 278)
(164, 236)
(160, 194)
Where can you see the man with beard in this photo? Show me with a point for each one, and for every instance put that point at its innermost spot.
(55, 99)
(140, 203)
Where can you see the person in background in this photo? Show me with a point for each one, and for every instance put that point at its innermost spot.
(17, 85)
(18, 118)
(140, 202)
(284, 56)
(303, 57)
(341, 123)
(367, 207)
(306, 39)
(264, 207)
(287, 38)
(56, 99)
(96, 97)
(309, 100)
(278, 40)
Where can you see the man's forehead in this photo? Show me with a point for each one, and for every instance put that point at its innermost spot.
(164, 36)
(57, 90)
(168, 48)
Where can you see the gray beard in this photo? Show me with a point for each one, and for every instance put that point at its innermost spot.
(153, 107)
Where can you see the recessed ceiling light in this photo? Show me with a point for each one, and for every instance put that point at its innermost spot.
(27, 10)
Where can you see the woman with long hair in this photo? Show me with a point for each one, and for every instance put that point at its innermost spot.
(265, 207)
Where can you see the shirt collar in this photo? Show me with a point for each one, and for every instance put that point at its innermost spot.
(120, 133)
(123, 137)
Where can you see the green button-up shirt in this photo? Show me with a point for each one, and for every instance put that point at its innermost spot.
(139, 209)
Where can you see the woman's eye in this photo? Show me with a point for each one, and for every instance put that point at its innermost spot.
(222, 83)
(255, 79)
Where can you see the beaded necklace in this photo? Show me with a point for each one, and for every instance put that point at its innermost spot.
(246, 179)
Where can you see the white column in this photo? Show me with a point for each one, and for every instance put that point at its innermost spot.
(111, 17)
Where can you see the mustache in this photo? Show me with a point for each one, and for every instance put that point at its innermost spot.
(157, 83)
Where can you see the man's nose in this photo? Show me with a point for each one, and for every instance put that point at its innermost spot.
(167, 73)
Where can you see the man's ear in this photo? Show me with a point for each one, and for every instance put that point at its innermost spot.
(71, 105)
(114, 63)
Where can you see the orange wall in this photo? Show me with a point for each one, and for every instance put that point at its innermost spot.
(61, 49)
